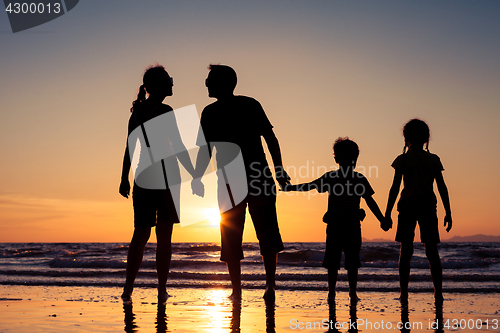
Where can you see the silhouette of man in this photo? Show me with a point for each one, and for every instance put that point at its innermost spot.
(241, 120)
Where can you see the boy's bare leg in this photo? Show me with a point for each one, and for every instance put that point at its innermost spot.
(163, 258)
(404, 268)
(134, 258)
(234, 268)
(332, 282)
(352, 276)
(270, 261)
(431, 251)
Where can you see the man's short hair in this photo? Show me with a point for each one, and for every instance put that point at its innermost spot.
(224, 76)
(345, 150)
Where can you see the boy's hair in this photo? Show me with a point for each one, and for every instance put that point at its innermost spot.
(224, 75)
(345, 150)
(416, 132)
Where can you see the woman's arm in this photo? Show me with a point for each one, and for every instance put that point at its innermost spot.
(125, 184)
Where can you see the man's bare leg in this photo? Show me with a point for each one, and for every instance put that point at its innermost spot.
(234, 268)
(270, 262)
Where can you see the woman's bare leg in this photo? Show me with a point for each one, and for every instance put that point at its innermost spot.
(134, 258)
(163, 257)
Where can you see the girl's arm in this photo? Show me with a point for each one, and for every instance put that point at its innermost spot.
(443, 192)
(393, 193)
(372, 204)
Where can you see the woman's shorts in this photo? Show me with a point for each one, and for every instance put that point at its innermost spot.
(153, 206)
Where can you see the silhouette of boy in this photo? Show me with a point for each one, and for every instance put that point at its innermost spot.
(343, 232)
(241, 120)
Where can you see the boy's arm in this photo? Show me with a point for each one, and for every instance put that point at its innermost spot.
(372, 204)
(443, 192)
(300, 187)
(393, 193)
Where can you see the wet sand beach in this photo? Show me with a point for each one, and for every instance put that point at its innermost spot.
(99, 309)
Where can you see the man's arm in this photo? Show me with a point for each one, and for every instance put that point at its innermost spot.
(275, 151)
(443, 192)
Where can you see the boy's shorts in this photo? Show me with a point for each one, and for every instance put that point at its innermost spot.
(425, 215)
(347, 240)
(262, 209)
(152, 206)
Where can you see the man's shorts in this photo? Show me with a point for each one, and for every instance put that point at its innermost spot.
(347, 240)
(425, 215)
(262, 209)
(152, 206)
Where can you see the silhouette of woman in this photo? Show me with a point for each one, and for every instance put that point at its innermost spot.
(154, 205)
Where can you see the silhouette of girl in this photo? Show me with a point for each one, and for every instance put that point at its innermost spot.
(154, 205)
(418, 169)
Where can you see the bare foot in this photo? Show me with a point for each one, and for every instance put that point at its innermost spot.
(235, 295)
(439, 299)
(354, 299)
(162, 297)
(269, 294)
(126, 296)
(331, 298)
(404, 300)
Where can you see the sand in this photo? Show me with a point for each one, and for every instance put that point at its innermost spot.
(96, 309)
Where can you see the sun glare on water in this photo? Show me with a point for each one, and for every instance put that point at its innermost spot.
(213, 216)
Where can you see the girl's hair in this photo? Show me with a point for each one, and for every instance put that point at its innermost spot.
(416, 132)
(152, 77)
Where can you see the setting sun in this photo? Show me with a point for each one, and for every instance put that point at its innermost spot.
(212, 215)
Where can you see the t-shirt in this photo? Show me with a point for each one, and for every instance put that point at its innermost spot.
(345, 193)
(419, 169)
(240, 120)
(160, 135)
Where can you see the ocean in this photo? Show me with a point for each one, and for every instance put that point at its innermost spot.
(467, 267)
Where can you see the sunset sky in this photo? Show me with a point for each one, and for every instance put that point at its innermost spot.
(321, 69)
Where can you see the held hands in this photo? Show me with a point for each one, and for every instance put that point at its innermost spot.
(387, 223)
(124, 188)
(282, 177)
(362, 214)
(448, 221)
(197, 187)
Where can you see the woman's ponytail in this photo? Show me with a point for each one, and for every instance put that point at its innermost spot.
(141, 97)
